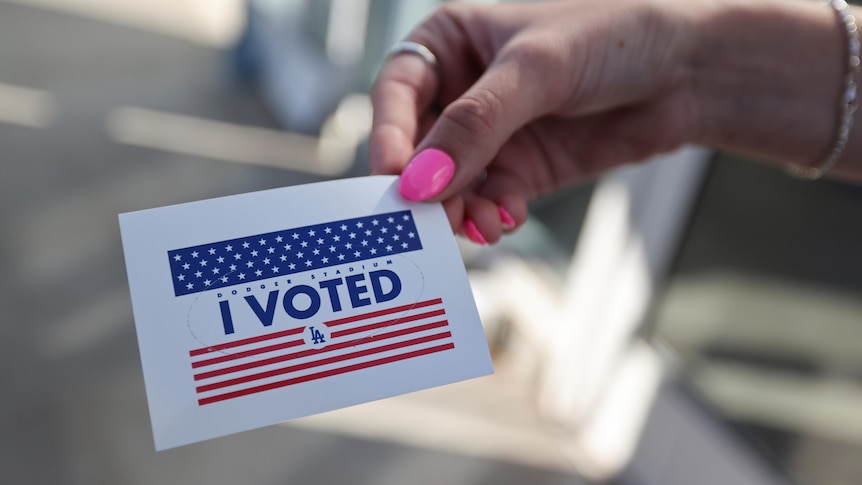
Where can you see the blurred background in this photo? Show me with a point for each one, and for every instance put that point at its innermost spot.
(694, 320)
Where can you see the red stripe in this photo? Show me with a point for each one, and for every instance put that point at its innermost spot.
(327, 373)
(421, 304)
(318, 363)
(247, 353)
(245, 341)
(386, 323)
(330, 348)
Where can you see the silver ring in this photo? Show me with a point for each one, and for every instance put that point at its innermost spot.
(408, 47)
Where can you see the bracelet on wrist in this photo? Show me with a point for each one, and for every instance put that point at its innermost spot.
(847, 104)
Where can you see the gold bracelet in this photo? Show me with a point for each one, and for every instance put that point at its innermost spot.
(848, 103)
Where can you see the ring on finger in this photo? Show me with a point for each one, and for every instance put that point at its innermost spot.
(415, 48)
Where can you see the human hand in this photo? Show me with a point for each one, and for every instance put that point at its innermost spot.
(531, 98)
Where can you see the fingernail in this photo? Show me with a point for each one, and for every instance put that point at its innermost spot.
(426, 175)
(473, 233)
(506, 218)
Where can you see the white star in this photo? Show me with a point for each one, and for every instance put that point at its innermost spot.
(359, 225)
(190, 286)
(389, 248)
(291, 266)
(343, 227)
(384, 230)
(275, 269)
(212, 251)
(352, 235)
(250, 264)
(228, 248)
(373, 250)
(224, 279)
(198, 274)
(215, 270)
(411, 234)
(375, 222)
(299, 255)
(287, 247)
(278, 238)
(254, 254)
(348, 246)
(220, 259)
(308, 262)
(283, 258)
(245, 245)
(181, 277)
(336, 238)
(316, 252)
(395, 237)
(364, 242)
(232, 267)
(357, 253)
(304, 244)
(340, 257)
(390, 220)
(320, 240)
(406, 217)
(177, 257)
(203, 262)
(368, 232)
(399, 227)
(194, 254)
(258, 272)
(208, 282)
(241, 276)
(265, 260)
(327, 230)
(379, 240)
(331, 249)
(262, 241)
(270, 250)
(311, 233)
(404, 245)
(324, 260)
(295, 235)
(186, 265)
(237, 256)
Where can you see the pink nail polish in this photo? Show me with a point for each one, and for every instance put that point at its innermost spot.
(506, 218)
(426, 175)
(473, 233)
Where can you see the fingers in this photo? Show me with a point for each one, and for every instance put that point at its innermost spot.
(470, 131)
(401, 95)
(407, 87)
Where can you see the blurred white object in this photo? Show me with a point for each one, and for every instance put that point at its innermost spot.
(213, 23)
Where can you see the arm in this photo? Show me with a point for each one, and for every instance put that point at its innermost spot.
(544, 95)
(768, 79)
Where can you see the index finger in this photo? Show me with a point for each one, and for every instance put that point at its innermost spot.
(404, 90)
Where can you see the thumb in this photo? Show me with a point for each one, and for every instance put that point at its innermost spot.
(470, 131)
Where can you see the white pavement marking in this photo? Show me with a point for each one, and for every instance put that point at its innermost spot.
(24, 106)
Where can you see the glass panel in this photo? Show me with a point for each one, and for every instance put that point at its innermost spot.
(764, 311)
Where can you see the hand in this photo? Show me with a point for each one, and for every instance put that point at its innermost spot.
(531, 98)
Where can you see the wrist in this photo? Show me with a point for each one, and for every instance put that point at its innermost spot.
(767, 77)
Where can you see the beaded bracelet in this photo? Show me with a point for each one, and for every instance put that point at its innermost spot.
(848, 99)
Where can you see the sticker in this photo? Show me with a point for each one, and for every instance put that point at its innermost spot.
(260, 308)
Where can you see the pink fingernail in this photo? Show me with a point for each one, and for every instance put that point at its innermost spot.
(426, 175)
(473, 233)
(506, 218)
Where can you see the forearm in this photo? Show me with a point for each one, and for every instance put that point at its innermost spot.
(769, 76)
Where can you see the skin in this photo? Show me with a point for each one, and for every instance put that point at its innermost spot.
(531, 98)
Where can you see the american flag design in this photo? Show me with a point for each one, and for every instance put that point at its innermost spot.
(262, 256)
(316, 351)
